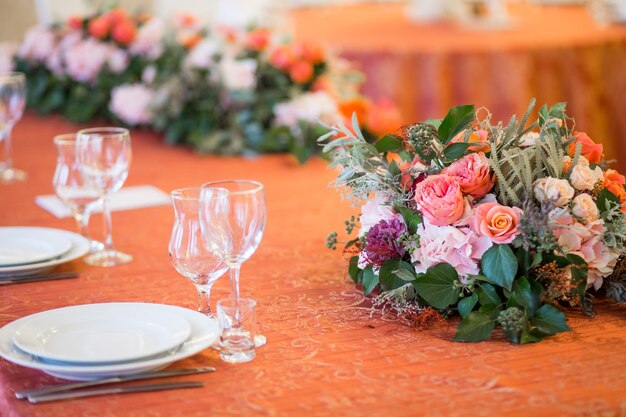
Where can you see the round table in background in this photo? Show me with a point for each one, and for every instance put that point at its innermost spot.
(553, 53)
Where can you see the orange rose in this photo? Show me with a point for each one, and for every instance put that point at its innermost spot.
(359, 105)
(383, 118)
(191, 41)
(116, 16)
(611, 175)
(75, 22)
(99, 28)
(301, 72)
(124, 32)
(590, 150)
(282, 57)
(479, 137)
(618, 190)
(499, 223)
(258, 39)
(312, 52)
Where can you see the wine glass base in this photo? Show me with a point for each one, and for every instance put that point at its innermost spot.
(12, 175)
(259, 340)
(107, 258)
(95, 246)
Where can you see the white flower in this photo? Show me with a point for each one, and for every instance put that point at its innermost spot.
(553, 189)
(307, 107)
(149, 38)
(84, 60)
(118, 60)
(374, 211)
(131, 103)
(528, 139)
(202, 55)
(37, 45)
(238, 74)
(6, 57)
(585, 208)
(583, 177)
(149, 74)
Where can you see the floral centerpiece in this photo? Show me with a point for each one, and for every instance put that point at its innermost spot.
(501, 224)
(220, 90)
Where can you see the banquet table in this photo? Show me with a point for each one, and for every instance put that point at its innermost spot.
(552, 53)
(328, 352)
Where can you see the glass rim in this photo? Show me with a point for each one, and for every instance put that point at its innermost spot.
(106, 130)
(179, 193)
(65, 138)
(12, 75)
(214, 185)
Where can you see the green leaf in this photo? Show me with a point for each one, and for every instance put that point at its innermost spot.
(457, 119)
(434, 122)
(487, 295)
(476, 327)
(389, 143)
(575, 259)
(550, 320)
(436, 286)
(524, 295)
(605, 198)
(388, 277)
(411, 218)
(499, 265)
(467, 304)
(370, 280)
(531, 336)
(353, 269)
(455, 151)
(394, 169)
(404, 275)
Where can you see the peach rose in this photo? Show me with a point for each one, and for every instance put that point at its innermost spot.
(529, 139)
(124, 32)
(473, 174)
(553, 189)
(282, 57)
(585, 208)
(479, 137)
(301, 72)
(611, 175)
(566, 164)
(440, 199)
(497, 222)
(383, 118)
(590, 150)
(258, 39)
(99, 27)
(584, 178)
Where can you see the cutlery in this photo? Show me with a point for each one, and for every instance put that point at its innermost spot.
(113, 390)
(38, 277)
(115, 379)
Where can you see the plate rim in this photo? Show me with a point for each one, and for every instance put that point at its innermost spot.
(80, 247)
(204, 333)
(175, 339)
(66, 242)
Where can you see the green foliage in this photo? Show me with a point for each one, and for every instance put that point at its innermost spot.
(395, 273)
(499, 265)
(457, 119)
(467, 304)
(476, 327)
(437, 286)
(369, 280)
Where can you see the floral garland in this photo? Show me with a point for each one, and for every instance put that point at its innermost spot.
(220, 90)
(498, 223)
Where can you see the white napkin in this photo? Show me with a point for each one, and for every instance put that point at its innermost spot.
(127, 198)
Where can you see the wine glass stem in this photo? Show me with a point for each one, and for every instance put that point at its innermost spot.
(81, 216)
(7, 161)
(107, 226)
(234, 290)
(204, 299)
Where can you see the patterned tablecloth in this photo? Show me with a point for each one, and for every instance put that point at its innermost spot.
(328, 354)
(553, 53)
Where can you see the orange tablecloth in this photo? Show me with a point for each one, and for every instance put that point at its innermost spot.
(552, 53)
(326, 356)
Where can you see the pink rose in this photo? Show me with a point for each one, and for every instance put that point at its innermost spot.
(497, 222)
(440, 199)
(473, 174)
(600, 260)
(131, 103)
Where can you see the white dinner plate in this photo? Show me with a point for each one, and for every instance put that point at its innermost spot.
(100, 333)
(27, 245)
(204, 332)
(80, 246)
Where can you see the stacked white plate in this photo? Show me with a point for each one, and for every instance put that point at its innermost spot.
(94, 341)
(29, 250)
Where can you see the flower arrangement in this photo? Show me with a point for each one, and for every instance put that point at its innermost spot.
(498, 223)
(220, 90)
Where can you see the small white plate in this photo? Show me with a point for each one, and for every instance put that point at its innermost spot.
(27, 245)
(100, 333)
(205, 331)
(80, 246)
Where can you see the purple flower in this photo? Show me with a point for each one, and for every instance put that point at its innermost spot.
(381, 242)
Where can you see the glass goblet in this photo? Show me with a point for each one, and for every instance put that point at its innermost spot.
(70, 186)
(12, 102)
(232, 216)
(187, 251)
(104, 155)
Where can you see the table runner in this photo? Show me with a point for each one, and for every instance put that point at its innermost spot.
(327, 354)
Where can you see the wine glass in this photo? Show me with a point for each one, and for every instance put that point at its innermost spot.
(103, 155)
(232, 217)
(70, 186)
(12, 102)
(188, 253)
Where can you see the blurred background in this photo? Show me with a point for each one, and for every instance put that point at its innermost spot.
(428, 55)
